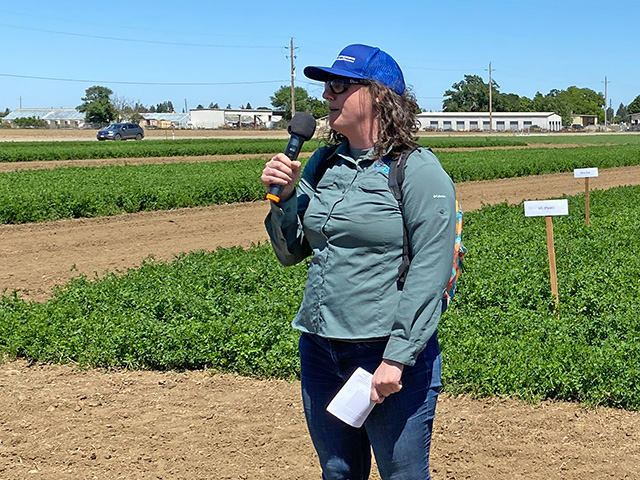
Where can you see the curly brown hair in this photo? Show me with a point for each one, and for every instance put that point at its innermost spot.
(396, 116)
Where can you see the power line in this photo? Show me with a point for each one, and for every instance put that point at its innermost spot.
(109, 26)
(439, 69)
(171, 84)
(154, 42)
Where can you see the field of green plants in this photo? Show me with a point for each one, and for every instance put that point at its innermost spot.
(230, 310)
(52, 150)
(44, 195)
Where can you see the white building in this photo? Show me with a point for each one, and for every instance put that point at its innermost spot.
(218, 117)
(480, 121)
(165, 120)
(634, 119)
(54, 117)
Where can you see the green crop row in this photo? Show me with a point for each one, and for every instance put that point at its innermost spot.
(493, 164)
(29, 151)
(44, 195)
(230, 310)
(584, 139)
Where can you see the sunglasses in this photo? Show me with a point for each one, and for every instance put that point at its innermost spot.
(341, 85)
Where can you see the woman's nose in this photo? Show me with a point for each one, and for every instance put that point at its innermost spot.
(327, 94)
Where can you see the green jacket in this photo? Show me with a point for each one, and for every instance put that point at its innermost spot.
(352, 226)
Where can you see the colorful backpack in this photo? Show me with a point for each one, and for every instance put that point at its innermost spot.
(396, 178)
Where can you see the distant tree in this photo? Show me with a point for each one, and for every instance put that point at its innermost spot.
(123, 106)
(634, 107)
(622, 115)
(213, 105)
(199, 107)
(542, 103)
(30, 122)
(583, 101)
(229, 107)
(319, 108)
(136, 117)
(97, 106)
(248, 107)
(570, 102)
(609, 113)
(140, 108)
(526, 104)
(5, 113)
(165, 107)
(470, 95)
(304, 103)
(507, 102)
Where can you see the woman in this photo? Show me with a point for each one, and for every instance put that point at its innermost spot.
(355, 311)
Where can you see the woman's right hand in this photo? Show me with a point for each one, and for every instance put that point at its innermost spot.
(280, 170)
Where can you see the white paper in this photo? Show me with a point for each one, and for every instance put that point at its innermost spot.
(352, 404)
(585, 172)
(546, 208)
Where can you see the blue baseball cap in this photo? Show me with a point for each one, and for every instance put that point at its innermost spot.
(364, 62)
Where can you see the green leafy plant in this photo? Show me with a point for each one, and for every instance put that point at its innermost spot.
(42, 195)
(230, 310)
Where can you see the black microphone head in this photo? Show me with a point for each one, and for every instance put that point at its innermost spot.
(303, 125)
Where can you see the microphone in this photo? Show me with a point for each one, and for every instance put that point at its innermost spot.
(301, 129)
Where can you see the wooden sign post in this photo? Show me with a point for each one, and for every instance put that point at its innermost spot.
(548, 209)
(585, 173)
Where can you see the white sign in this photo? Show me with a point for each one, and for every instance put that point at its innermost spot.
(585, 172)
(546, 208)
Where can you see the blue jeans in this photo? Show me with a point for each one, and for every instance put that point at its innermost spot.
(398, 430)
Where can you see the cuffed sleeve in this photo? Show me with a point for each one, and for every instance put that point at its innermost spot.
(285, 232)
(284, 220)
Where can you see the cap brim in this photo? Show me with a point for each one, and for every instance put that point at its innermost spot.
(322, 74)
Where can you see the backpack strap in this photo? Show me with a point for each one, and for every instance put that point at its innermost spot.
(324, 164)
(396, 179)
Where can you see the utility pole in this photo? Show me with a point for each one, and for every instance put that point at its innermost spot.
(490, 103)
(293, 76)
(605, 103)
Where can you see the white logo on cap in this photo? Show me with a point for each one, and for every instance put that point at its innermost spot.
(346, 58)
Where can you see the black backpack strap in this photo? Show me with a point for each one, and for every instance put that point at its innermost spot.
(396, 179)
(324, 164)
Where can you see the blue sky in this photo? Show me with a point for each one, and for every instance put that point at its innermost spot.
(237, 52)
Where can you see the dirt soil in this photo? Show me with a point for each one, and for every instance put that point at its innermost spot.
(37, 256)
(61, 422)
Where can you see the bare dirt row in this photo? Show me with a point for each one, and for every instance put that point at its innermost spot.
(35, 257)
(62, 423)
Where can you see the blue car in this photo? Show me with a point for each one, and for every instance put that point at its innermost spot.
(121, 131)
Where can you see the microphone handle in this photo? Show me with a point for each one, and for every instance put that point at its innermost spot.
(293, 147)
(292, 151)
